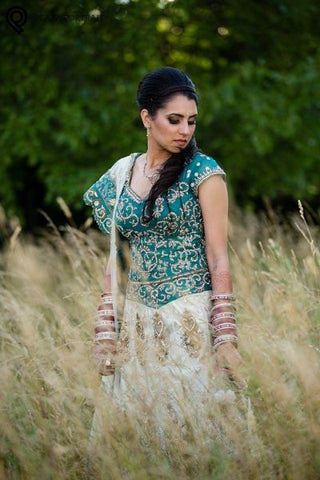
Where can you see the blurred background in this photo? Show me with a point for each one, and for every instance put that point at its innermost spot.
(69, 79)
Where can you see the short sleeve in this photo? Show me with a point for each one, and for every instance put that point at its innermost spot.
(101, 196)
(200, 168)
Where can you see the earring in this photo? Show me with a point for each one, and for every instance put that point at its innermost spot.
(148, 128)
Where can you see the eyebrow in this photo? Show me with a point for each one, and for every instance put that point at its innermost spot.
(182, 116)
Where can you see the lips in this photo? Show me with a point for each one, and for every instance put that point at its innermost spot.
(181, 142)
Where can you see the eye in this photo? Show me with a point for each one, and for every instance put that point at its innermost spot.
(175, 121)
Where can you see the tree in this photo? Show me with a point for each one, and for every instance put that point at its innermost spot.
(69, 82)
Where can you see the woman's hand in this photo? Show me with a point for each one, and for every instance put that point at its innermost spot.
(105, 336)
(228, 361)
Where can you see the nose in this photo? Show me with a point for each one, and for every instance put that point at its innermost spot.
(184, 128)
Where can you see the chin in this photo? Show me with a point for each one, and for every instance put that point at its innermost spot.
(180, 149)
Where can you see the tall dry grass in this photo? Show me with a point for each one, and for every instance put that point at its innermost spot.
(49, 290)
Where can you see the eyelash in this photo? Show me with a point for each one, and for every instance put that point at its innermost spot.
(175, 122)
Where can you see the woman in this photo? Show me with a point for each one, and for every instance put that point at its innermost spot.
(171, 203)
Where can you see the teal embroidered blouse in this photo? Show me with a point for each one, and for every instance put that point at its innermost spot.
(168, 258)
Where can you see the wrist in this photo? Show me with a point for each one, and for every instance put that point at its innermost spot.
(106, 297)
(223, 320)
(226, 341)
(106, 305)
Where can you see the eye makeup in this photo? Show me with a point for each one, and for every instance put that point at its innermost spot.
(175, 121)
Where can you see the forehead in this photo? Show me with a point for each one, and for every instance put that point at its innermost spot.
(180, 104)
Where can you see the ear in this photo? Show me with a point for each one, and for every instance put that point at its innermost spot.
(145, 118)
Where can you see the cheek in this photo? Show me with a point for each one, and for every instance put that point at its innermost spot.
(165, 128)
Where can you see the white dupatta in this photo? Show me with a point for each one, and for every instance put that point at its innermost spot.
(119, 171)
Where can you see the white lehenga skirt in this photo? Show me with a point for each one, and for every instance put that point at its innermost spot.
(166, 369)
(165, 361)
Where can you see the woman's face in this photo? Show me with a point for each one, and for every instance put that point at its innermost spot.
(173, 125)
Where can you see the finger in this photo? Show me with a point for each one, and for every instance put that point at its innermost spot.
(105, 348)
(106, 370)
(106, 373)
(235, 377)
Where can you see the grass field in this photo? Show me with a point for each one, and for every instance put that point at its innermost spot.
(49, 290)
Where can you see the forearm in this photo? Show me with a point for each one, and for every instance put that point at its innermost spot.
(105, 333)
(107, 281)
(222, 318)
(220, 273)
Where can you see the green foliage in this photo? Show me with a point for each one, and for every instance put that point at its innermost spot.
(68, 93)
(273, 150)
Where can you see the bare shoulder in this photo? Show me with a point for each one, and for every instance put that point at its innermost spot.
(213, 190)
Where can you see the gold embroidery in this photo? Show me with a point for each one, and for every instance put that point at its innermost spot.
(139, 327)
(156, 293)
(123, 349)
(161, 336)
(191, 334)
(168, 255)
(140, 340)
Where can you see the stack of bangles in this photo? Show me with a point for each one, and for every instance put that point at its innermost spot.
(223, 319)
(104, 328)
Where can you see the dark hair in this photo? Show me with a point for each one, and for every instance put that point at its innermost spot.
(154, 91)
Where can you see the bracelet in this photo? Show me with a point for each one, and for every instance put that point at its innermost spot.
(228, 336)
(220, 305)
(219, 316)
(224, 339)
(106, 300)
(103, 323)
(224, 326)
(220, 310)
(105, 336)
(101, 313)
(223, 296)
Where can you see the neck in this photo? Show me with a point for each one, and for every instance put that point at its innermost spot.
(156, 157)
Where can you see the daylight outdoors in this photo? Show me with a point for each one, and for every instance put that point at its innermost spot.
(69, 73)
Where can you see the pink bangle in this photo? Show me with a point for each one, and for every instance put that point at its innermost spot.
(217, 331)
(222, 305)
(219, 316)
